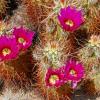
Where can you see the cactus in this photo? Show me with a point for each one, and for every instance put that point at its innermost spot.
(3, 6)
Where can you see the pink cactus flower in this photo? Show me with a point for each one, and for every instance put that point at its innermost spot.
(70, 18)
(23, 37)
(74, 71)
(54, 78)
(8, 48)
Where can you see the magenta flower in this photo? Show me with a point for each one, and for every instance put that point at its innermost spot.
(54, 78)
(70, 18)
(24, 37)
(74, 71)
(8, 48)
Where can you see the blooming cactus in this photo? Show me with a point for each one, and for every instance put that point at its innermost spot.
(8, 48)
(70, 18)
(23, 37)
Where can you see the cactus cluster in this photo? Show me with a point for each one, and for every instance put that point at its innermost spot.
(51, 47)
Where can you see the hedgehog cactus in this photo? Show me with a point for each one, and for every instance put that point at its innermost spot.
(52, 51)
(51, 93)
(3, 6)
(49, 52)
(36, 12)
(10, 47)
(95, 76)
(91, 84)
(19, 18)
(3, 27)
(56, 59)
(89, 54)
(9, 93)
(93, 26)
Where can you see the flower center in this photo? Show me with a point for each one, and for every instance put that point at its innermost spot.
(73, 72)
(69, 23)
(6, 51)
(53, 79)
(21, 40)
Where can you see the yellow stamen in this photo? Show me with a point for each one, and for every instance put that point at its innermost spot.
(6, 51)
(21, 40)
(73, 72)
(70, 23)
(53, 79)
